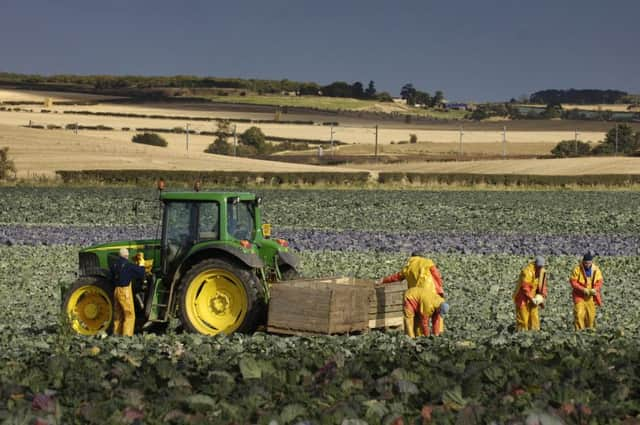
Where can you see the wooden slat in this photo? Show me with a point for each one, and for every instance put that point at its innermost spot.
(388, 322)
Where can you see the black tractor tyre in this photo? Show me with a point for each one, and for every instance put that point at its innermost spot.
(88, 305)
(237, 288)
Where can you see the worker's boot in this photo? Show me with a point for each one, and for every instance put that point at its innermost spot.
(408, 327)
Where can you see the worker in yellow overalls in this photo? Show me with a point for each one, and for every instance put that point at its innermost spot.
(586, 281)
(424, 298)
(530, 294)
(123, 272)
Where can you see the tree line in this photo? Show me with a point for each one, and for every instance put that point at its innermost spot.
(579, 97)
(415, 97)
(106, 83)
(355, 90)
(619, 140)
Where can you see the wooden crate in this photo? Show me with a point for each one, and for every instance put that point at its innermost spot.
(386, 307)
(320, 306)
(386, 303)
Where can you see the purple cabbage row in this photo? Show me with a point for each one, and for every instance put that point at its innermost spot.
(317, 240)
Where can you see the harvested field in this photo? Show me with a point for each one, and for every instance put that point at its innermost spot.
(41, 152)
(351, 135)
(7, 95)
(549, 167)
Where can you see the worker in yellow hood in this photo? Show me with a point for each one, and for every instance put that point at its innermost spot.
(424, 297)
(586, 281)
(530, 294)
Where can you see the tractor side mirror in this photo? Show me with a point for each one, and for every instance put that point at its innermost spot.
(258, 201)
(266, 230)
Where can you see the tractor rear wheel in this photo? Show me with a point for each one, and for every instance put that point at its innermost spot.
(220, 296)
(88, 305)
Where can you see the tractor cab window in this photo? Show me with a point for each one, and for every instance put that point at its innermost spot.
(240, 218)
(208, 224)
(178, 230)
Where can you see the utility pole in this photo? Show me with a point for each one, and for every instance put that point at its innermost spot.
(461, 133)
(187, 140)
(332, 139)
(575, 140)
(616, 139)
(504, 142)
(376, 143)
(235, 139)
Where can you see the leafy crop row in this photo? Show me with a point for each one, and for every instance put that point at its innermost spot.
(351, 240)
(546, 212)
(479, 371)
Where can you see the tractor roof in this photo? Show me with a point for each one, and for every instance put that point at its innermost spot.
(205, 196)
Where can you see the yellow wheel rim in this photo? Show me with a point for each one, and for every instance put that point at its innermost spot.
(215, 302)
(89, 310)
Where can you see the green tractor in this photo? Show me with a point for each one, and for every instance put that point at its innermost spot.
(211, 268)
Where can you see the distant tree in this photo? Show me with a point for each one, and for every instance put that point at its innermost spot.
(628, 141)
(152, 139)
(422, 98)
(337, 89)
(254, 137)
(481, 112)
(588, 96)
(219, 147)
(553, 110)
(6, 165)
(408, 93)
(357, 90)
(370, 92)
(309, 89)
(437, 98)
(571, 148)
(413, 138)
(384, 97)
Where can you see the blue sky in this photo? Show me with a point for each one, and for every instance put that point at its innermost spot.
(470, 49)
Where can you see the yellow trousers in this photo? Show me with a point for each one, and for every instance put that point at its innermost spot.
(584, 314)
(420, 304)
(436, 325)
(527, 318)
(124, 316)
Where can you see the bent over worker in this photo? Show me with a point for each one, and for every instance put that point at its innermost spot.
(123, 272)
(424, 298)
(586, 281)
(530, 292)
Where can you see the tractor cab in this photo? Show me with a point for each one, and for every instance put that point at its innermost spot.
(211, 267)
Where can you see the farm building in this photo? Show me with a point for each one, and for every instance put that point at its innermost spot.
(457, 106)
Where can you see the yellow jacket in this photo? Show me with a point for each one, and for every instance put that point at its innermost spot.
(417, 272)
(529, 285)
(579, 280)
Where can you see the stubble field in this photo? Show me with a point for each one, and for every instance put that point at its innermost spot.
(41, 152)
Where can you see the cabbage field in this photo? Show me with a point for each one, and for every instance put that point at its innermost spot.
(479, 371)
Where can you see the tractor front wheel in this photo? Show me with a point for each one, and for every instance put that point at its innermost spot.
(220, 296)
(88, 305)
